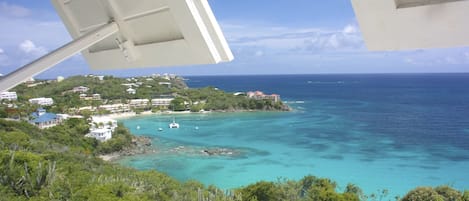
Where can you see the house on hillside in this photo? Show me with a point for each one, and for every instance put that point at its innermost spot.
(102, 128)
(131, 91)
(80, 89)
(42, 101)
(101, 134)
(6, 95)
(43, 119)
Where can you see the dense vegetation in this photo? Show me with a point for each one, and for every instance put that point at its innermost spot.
(210, 98)
(61, 164)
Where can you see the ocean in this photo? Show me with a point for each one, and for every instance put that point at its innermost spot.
(379, 131)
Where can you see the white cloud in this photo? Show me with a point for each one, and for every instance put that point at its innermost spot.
(350, 29)
(29, 47)
(451, 60)
(293, 40)
(13, 10)
(259, 53)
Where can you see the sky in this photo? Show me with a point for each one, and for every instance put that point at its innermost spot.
(266, 37)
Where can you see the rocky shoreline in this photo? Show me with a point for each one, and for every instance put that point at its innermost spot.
(139, 145)
(143, 145)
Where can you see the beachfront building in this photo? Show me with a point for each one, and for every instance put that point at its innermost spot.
(116, 108)
(42, 101)
(101, 128)
(259, 95)
(80, 89)
(139, 103)
(100, 134)
(6, 95)
(43, 119)
(165, 102)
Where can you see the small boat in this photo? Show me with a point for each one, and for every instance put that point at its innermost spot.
(174, 124)
(160, 129)
(138, 127)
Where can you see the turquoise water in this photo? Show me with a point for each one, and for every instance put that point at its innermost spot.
(391, 132)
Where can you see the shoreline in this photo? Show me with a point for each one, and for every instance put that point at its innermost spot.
(147, 113)
(140, 145)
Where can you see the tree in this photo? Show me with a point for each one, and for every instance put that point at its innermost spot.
(260, 191)
(423, 194)
(177, 104)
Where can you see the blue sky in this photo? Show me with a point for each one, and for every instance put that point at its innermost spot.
(266, 37)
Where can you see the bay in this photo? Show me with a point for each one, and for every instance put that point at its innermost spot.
(379, 131)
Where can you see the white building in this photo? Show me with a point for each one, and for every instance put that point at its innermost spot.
(102, 128)
(131, 91)
(168, 84)
(161, 101)
(42, 101)
(96, 97)
(80, 89)
(139, 103)
(116, 108)
(101, 134)
(8, 96)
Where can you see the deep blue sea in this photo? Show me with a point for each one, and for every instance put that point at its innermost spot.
(379, 131)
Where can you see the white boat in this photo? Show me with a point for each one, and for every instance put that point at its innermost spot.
(138, 127)
(160, 129)
(174, 124)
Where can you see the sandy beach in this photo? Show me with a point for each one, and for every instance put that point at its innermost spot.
(133, 114)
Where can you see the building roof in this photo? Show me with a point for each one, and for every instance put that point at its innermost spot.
(45, 118)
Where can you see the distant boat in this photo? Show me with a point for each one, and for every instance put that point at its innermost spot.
(138, 127)
(174, 124)
(160, 129)
(196, 128)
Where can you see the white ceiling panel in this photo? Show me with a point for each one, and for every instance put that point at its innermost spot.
(151, 32)
(432, 24)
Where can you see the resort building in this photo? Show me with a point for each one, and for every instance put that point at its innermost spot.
(42, 101)
(161, 101)
(139, 103)
(11, 96)
(80, 89)
(259, 95)
(43, 119)
(116, 108)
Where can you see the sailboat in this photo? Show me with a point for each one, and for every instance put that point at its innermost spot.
(174, 124)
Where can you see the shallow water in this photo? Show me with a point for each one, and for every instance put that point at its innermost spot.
(391, 132)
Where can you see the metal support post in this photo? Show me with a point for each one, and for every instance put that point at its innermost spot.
(45, 62)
